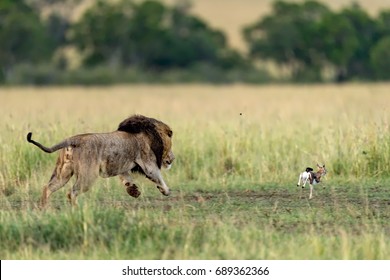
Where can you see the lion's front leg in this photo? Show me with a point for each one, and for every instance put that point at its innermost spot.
(153, 173)
(131, 188)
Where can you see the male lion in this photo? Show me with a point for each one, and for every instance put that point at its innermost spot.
(139, 144)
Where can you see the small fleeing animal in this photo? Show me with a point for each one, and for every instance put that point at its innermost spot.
(140, 144)
(314, 178)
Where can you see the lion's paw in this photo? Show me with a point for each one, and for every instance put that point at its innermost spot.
(133, 191)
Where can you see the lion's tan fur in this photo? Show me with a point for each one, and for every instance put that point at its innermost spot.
(140, 144)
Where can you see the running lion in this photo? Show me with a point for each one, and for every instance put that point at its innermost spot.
(139, 144)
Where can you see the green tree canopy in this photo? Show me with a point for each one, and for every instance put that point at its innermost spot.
(338, 41)
(380, 58)
(289, 35)
(308, 37)
(149, 35)
(366, 33)
(23, 36)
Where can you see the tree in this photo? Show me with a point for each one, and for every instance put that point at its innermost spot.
(149, 35)
(338, 42)
(308, 38)
(380, 58)
(366, 33)
(383, 23)
(103, 33)
(58, 14)
(23, 36)
(289, 36)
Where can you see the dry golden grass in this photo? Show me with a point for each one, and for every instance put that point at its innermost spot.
(178, 103)
(251, 118)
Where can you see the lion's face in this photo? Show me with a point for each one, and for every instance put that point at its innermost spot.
(166, 135)
(167, 161)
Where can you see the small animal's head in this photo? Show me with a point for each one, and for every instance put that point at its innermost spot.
(321, 169)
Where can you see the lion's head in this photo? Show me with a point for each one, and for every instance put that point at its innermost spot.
(160, 135)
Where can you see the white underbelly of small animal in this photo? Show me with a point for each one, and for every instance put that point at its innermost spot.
(305, 177)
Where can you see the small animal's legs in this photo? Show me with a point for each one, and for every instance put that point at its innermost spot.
(311, 191)
(303, 178)
(304, 183)
(299, 180)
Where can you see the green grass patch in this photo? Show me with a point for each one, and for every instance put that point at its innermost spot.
(241, 222)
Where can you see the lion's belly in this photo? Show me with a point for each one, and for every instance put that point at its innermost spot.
(114, 164)
(115, 153)
(110, 167)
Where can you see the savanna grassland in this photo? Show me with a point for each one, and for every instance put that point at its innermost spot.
(239, 150)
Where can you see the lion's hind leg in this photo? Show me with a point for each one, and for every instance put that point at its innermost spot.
(85, 177)
(81, 185)
(61, 175)
(131, 188)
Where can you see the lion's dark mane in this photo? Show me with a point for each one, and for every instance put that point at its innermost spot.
(141, 124)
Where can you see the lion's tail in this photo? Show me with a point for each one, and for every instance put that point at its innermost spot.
(56, 147)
